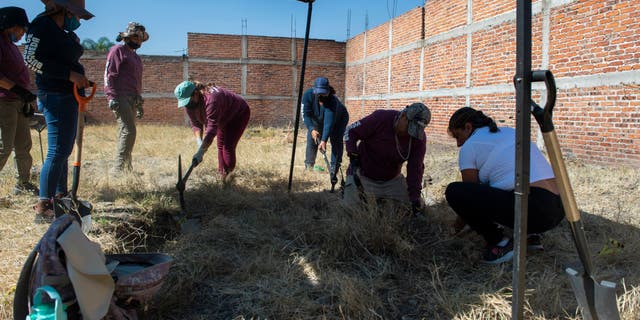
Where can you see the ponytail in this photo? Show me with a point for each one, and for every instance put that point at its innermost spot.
(469, 115)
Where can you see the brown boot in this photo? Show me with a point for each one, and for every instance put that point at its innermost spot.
(44, 211)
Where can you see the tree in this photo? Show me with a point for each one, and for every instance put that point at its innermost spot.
(102, 45)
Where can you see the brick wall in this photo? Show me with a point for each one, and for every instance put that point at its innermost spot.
(265, 70)
(455, 53)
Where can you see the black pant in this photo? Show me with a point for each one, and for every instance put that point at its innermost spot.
(482, 207)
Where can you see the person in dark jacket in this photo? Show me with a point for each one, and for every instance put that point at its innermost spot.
(16, 101)
(53, 52)
(378, 145)
(326, 119)
(214, 111)
(123, 88)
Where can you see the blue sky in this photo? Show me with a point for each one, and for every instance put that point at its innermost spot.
(168, 21)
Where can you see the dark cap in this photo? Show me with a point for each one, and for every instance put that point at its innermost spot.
(13, 16)
(321, 86)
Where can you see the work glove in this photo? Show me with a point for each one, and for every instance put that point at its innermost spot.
(114, 105)
(354, 159)
(197, 157)
(23, 93)
(138, 104)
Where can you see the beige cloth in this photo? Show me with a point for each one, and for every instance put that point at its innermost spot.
(89, 276)
(395, 189)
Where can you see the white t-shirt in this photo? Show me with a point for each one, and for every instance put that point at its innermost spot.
(494, 156)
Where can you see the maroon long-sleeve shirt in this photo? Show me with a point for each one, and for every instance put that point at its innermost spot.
(380, 152)
(220, 107)
(12, 66)
(123, 72)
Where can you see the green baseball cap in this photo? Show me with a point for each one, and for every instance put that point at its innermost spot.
(183, 93)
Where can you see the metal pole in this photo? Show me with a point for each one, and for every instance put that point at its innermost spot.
(523, 142)
(300, 88)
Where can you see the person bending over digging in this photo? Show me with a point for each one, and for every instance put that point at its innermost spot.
(326, 119)
(378, 145)
(53, 52)
(214, 111)
(123, 88)
(16, 101)
(485, 198)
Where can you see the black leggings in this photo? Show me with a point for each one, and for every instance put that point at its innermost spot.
(482, 207)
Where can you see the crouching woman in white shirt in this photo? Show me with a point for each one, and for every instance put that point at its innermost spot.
(485, 198)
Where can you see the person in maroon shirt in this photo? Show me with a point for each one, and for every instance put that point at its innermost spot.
(378, 145)
(214, 111)
(16, 101)
(123, 88)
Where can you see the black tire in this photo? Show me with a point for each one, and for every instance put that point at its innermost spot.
(21, 297)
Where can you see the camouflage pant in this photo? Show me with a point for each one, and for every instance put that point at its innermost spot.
(15, 136)
(126, 118)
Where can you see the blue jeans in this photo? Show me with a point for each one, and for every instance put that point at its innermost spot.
(61, 113)
(337, 146)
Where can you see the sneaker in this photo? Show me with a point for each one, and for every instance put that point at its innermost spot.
(534, 242)
(25, 188)
(498, 254)
(44, 211)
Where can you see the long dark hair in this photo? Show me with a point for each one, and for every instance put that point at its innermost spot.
(477, 119)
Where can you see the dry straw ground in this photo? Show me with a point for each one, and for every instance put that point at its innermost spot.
(263, 253)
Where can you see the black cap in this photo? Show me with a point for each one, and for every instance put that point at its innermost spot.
(13, 16)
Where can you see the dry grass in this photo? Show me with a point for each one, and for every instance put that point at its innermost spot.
(264, 253)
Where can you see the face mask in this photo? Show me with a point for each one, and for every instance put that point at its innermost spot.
(13, 37)
(132, 45)
(70, 24)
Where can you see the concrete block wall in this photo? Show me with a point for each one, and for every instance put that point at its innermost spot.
(454, 53)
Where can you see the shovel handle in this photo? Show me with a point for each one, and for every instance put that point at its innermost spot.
(82, 100)
(544, 116)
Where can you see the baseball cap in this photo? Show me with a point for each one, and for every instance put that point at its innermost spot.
(321, 85)
(419, 117)
(183, 92)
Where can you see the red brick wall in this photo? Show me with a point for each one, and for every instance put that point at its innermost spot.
(445, 64)
(592, 47)
(270, 87)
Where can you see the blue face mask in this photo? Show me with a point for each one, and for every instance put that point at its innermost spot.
(71, 24)
(13, 37)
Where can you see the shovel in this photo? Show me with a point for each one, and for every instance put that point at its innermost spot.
(332, 175)
(597, 299)
(73, 205)
(187, 224)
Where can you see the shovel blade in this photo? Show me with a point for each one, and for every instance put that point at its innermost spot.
(597, 300)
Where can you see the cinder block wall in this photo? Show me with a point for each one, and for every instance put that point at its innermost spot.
(454, 53)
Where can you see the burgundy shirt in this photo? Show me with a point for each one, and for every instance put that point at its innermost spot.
(12, 66)
(220, 107)
(380, 153)
(123, 72)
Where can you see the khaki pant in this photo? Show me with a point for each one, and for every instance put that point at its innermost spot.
(394, 189)
(15, 136)
(126, 118)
